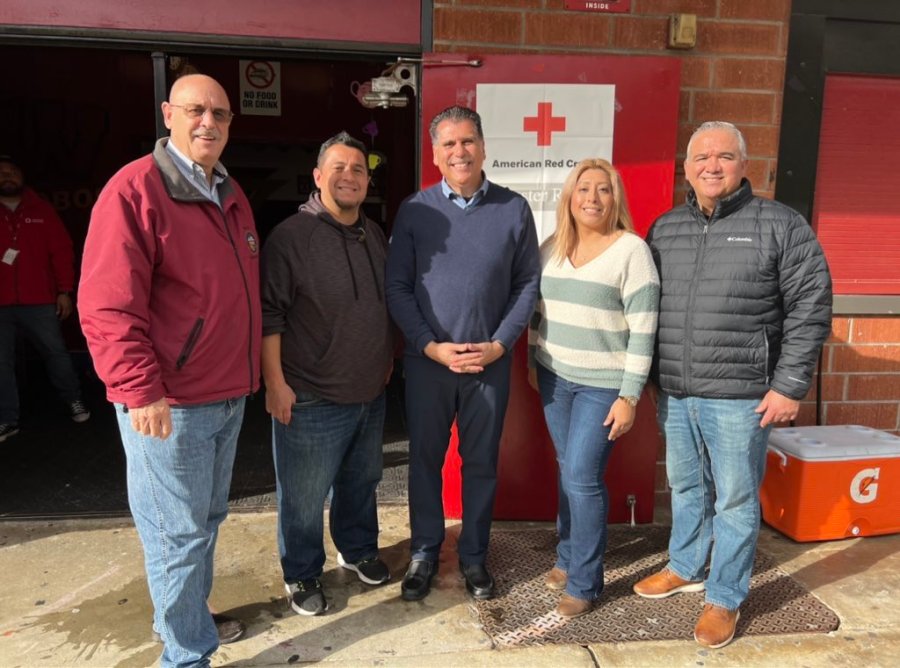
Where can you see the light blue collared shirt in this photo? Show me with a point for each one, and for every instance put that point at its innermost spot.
(459, 200)
(195, 174)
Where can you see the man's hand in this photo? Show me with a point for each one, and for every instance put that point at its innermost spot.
(455, 356)
(63, 306)
(280, 398)
(488, 352)
(777, 408)
(621, 417)
(153, 419)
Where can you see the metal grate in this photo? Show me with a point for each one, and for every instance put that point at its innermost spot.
(523, 611)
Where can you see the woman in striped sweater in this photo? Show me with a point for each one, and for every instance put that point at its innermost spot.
(590, 347)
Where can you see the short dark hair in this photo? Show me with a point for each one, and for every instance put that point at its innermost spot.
(344, 139)
(5, 157)
(456, 114)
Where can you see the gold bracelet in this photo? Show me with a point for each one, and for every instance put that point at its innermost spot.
(631, 401)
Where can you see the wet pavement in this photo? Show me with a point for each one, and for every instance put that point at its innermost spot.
(73, 593)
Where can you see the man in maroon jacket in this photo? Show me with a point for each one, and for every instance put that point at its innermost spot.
(36, 277)
(169, 304)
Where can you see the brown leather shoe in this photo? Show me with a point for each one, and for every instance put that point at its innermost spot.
(556, 579)
(664, 583)
(716, 625)
(569, 606)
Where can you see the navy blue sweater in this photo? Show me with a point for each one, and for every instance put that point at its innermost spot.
(462, 275)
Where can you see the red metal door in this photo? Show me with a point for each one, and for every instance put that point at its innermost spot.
(644, 128)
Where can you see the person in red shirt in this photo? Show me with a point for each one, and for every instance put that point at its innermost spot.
(36, 280)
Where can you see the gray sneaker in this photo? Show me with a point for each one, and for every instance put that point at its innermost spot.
(229, 629)
(78, 411)
(307, 597)
(8, 429)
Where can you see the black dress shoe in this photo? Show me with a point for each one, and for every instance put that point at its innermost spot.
(479, 582)
(417, 581)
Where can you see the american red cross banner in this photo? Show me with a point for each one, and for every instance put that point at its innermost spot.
(624, 107)
(536, 133)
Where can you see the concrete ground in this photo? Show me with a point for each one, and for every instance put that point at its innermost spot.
(72, 593)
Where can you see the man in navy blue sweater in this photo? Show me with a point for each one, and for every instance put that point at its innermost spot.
(462, 280)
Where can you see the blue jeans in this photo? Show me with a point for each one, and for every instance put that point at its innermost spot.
(178, 494)
(327, 446)
(42, 327)
(575, 415)
(715, 460)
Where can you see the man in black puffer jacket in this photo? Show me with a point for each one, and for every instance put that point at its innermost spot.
(745, 308)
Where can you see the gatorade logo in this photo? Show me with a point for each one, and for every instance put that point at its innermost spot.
(864, 487)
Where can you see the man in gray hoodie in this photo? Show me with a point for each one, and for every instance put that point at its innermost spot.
(326, 358)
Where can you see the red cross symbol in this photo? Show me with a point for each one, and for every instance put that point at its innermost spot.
(544, 123)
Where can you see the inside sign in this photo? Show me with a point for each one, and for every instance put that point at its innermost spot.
(619, 6)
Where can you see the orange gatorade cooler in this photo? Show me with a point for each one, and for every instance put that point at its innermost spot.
(825, 483)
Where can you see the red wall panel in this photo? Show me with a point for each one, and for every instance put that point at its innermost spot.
(644, 152)
(382, 22)
(856, 211)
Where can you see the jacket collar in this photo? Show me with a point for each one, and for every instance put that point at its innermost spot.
(725, 206)
(178, 187)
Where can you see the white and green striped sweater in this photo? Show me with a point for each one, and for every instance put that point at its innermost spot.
(595, 325)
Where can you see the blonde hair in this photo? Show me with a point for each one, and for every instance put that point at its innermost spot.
(565, 237)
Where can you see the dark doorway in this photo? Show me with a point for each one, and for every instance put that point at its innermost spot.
(75, 115)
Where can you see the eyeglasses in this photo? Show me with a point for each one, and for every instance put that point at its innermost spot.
(197, 111)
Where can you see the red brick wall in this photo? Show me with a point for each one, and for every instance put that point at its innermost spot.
(735, 72)
(860, 374)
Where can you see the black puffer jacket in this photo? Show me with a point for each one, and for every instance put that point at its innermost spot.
(746, 299)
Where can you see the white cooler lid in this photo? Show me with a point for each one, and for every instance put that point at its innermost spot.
(838, 443)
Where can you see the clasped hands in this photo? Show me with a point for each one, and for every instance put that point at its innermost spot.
(465, 357)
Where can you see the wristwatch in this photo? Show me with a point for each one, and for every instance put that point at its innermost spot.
(631, 401)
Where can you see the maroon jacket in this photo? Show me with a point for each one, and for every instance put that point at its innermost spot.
(44, 266)
(169, 293)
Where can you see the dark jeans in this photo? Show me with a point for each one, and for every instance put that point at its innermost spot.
(327, 446)
(42, 327)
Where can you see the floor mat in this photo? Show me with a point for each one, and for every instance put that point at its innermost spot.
(522, 612)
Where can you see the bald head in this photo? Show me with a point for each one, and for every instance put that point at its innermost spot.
(198, 115)
(190, 83)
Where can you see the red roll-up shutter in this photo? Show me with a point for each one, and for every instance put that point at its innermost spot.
(856, 211)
